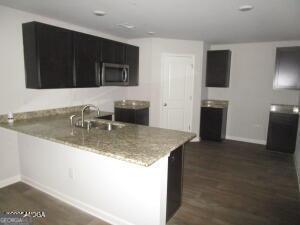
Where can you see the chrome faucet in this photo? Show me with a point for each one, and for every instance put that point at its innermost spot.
(86, 107)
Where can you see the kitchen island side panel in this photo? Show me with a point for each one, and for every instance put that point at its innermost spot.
(115, 191)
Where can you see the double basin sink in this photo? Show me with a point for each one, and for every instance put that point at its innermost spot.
(97, 124)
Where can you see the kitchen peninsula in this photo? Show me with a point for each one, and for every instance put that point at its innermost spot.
(120, 176)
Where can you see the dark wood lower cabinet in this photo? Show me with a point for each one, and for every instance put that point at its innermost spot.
(282, 132)
(175, 184)
(137, 116)
(213, 123)
(109, 117)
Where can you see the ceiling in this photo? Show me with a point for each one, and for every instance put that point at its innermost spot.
(214, 21)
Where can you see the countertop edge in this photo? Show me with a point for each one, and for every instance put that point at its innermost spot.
(88, 149)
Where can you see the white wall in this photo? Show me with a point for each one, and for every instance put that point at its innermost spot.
(15, 97)
(297, 153)
(151, 50)
(250, 92)
(204, 89)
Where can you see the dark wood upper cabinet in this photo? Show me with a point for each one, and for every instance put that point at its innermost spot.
(218, 68)
(60, 58)
(287, 68)
(113, 52)
(87, 49)
(48, 53)
(132, 59)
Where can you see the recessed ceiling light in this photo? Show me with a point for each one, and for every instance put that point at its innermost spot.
(151, 32)
(126, 25)
(245, 8)
(99, 13)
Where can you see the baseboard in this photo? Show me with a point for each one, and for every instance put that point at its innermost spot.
(10, 181)
(196, 139)
(249, 140)
(109, 218)
(297, 172)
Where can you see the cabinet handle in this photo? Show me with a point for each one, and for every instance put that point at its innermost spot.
(102, 75)
(97, 74)
(74, 73)
(126, 75)
(165, 104)
(123, 75)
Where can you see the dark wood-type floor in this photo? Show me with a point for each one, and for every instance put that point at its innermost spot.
(21, 197)
(235, 183)
(230, 183)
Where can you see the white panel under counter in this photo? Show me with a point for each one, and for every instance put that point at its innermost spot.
(116, 191)
(9, 159)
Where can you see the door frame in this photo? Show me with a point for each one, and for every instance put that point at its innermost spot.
(161, 101)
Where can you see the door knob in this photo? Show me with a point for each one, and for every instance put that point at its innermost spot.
(165, 104)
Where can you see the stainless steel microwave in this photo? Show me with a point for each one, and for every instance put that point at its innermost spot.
(114, 74)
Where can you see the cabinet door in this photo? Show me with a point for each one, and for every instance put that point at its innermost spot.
(87, 59)
(32, 74)
(113, 52)
(211, 124)
(142, 116)
(132, 59)
(175, 173)
(287, 68)
(136, 116)
(282, 132)
(105, 117)
(125, 115)
(55, 55)
(218, 68)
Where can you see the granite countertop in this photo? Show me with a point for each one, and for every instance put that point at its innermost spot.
(132, 104)
(214, 103)
(68, 111)
(288, 109)
(136, 144)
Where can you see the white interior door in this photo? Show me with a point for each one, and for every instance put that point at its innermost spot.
(177, 89)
